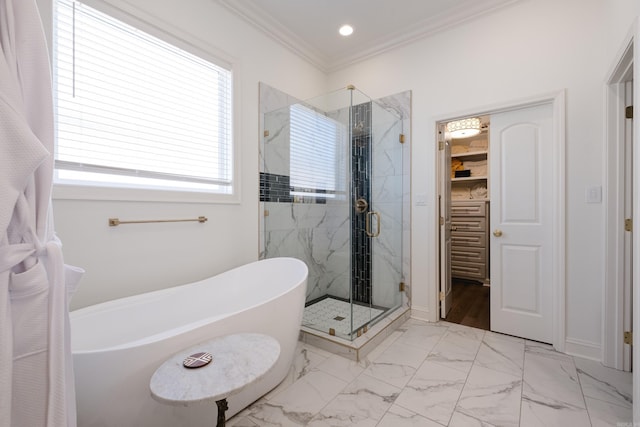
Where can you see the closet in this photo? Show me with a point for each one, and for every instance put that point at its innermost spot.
(469, 265)
(470, 205)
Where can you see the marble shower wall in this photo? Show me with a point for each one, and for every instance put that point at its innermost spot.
(271, 100)
(318, 233)
(386, 189)
(392, 196)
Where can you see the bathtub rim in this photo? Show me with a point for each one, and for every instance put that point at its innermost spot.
(300, 278)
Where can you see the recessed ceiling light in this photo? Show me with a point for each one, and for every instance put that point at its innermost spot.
(346, 30)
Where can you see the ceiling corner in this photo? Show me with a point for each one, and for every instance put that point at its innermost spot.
(267, 24)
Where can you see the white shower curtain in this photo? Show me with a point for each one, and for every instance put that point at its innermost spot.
(36, 375)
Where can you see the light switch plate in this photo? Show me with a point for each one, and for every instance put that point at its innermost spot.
(593, 194)
(421, 199)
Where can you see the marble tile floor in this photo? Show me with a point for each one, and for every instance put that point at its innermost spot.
(444, 374)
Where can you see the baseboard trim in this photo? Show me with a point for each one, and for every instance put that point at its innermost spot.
(585, 349)
(422, 313)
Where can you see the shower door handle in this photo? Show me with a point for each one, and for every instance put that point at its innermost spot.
(368, 224)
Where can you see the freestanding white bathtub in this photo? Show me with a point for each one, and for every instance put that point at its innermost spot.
(118, 345)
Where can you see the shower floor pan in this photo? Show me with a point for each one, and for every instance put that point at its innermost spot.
(333, 313)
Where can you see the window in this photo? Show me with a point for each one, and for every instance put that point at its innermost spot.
(316, 162)
(135, 111)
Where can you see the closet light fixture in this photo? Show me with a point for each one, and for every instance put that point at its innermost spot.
(346, 30)
(464, 128)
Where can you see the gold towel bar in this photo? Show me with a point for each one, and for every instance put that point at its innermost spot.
(115, 221)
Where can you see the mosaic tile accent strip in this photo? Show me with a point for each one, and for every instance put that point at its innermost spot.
(277, 188)
(361, 188)
(322, 316)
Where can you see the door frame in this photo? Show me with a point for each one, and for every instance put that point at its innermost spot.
(613, 307)
(558, 100)
(614, 198)
(444, 219)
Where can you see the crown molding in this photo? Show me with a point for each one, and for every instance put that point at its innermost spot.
(263, 21)
(260, 19)
(418, 31)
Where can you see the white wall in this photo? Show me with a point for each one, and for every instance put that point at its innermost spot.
(530, 48)
(132, 259)
(620, 16)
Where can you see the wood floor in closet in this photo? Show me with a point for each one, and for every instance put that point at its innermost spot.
(470, 305)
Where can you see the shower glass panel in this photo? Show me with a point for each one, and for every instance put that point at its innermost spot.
(331, 185)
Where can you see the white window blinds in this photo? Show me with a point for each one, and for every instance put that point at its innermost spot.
(132, 109)
(316, 158)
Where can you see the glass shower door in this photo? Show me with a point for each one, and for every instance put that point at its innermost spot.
(385, 216)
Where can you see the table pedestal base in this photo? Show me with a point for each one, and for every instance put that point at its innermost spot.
(222, 408)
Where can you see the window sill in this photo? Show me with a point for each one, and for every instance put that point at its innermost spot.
(89, 192)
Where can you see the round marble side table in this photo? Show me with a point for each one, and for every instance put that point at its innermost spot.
(239, 360)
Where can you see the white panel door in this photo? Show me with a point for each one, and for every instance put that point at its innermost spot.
(521, 222)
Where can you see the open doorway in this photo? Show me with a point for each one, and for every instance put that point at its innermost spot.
(465, 190)
(501, 218)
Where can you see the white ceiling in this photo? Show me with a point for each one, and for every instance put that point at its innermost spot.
(310, 27)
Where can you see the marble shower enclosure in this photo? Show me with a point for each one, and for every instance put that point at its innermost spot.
(317, 230)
